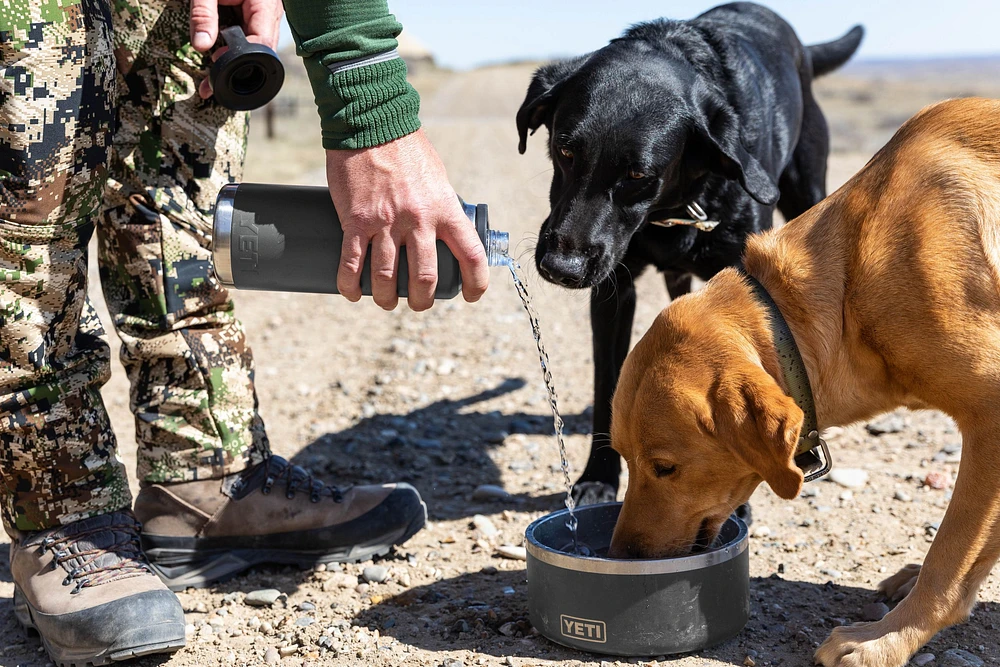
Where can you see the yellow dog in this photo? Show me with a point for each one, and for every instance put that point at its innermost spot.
(891, 290)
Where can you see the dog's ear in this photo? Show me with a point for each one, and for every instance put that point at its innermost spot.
(543, 93)
(719, 128)
(761, 424)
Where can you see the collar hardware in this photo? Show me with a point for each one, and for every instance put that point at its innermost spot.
(812, 455)
(699, 219)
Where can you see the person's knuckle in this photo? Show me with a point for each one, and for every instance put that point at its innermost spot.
(425, 279)
(201, 12)
(387, 275)
(350, 264)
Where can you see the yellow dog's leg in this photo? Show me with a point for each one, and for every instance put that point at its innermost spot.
(962, 555)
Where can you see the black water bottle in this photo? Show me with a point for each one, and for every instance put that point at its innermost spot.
(287, 238)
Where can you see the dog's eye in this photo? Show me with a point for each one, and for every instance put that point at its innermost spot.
(566, 153)
(636, 175)
(663, 470)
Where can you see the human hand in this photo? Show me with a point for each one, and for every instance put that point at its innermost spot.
(260, 20)
(398, 194)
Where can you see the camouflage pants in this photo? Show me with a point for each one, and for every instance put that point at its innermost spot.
(101, 127)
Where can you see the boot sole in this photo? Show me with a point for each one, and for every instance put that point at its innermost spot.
(70, 657)
(180, 568)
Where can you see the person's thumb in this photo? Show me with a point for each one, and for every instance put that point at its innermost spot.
(204, 24)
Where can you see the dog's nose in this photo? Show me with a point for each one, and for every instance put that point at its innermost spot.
(567, 269)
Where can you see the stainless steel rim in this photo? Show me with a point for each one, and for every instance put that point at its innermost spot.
(222, 234)
(559, 559)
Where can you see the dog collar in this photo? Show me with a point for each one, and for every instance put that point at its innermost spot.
(811, 455)
(699, 219)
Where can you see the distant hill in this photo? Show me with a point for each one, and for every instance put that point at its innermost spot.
(987, 67)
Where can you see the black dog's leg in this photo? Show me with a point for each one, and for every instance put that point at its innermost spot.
(612, 308)
(678, 284)
(803, 183)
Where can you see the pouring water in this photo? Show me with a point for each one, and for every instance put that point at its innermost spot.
(543, 359)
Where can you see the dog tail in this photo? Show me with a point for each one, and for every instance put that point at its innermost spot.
(828, 56)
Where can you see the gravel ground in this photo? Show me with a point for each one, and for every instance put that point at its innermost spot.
(452, 399)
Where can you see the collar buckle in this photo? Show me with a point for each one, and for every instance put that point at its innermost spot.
(699, 219)
(814, 460)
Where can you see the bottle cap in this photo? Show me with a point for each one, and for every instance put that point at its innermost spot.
(248, 75)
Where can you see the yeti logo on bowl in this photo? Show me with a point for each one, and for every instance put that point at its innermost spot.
(583, 629)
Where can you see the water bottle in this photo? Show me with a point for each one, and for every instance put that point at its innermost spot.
(287, 238)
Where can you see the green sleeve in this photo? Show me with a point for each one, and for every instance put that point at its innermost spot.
(359, 106)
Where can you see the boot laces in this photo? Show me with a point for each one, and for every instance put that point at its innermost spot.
(294, 478)
(128, 562)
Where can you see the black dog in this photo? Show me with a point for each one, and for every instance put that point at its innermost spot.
(673, 123)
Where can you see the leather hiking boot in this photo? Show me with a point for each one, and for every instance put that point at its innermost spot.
(200, 532)
(91, 595)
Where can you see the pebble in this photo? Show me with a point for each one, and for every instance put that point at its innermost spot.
(362, 588)
(339, 580)
(810, 491)
(485, 526)
(749, 662)
(902, 496)
(262, 598)
(271, 656)
(937, 480)
(761, 531)
(512, 552)
(851, 478)
(286, 651)
(490, 493)
(307, 606)
(874, 611)
(304, 622)
(922, 659)
(200, 608)
(847, 495)
(189, 629)
(956, 657)
(887, 424)
(452, 662)
(375, 573)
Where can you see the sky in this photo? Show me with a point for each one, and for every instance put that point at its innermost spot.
(468, 33)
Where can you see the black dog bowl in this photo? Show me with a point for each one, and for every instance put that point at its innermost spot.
(634, 607)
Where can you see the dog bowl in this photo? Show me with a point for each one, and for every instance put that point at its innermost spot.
(633, 607)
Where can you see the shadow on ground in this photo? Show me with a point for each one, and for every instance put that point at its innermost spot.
(487, 612)
(442, 449)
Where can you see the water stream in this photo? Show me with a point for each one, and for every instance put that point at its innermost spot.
(557, 421)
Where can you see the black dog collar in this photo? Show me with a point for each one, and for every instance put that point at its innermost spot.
(812, 455)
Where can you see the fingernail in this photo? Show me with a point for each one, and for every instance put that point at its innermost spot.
(202, 41)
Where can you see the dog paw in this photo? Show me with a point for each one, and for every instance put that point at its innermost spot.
(863, 645)
(899, 585)
(593, 493)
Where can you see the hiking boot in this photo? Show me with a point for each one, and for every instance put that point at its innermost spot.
(89, 593)
(200, 532)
